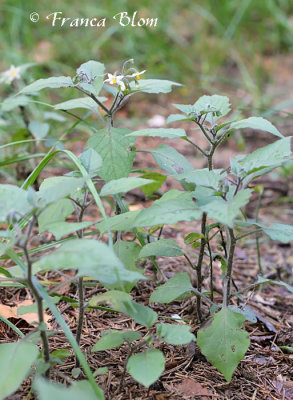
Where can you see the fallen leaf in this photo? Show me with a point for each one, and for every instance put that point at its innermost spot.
(189, 387)
(30, 318)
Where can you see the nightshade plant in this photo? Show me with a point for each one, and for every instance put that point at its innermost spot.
(214, 196)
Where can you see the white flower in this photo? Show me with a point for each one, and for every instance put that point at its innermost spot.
(137, 74)
(11, 74)
(113, 80)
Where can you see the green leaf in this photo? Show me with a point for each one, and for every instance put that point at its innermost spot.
(114, 338)
(146, 367)
(113, 298)
(39, 129)
(169, 211)
(53, 213)
(47, 390)
(58, 187)
(15, 365)
(114, 146)
(175, 287)
(175, 334)
(121, 222)
(154, 86)
(227, 211)
(60, 229)
(276, 231)
(246, 311)
(53, 83)
(288, 348)
(162, 247)
(260, 279)
(128, 252)
(177, 117)
(13, 200)
(223, 342)
(91, 160)
(151, 188)
(160, 132)
(123, 185)
(262, 160)
(91, 258)
(216, 106)
(203, 177)
(170, 160)
(92, 73)
(81, 102)
(258, 123)
(141, 314)
(14, 101)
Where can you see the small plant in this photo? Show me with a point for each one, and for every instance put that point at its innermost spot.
(102, 173)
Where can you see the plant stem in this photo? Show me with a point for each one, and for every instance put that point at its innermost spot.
(129, 353)
(196, 146)
(199, 264)
(211, 270)
(256, 236)
(258, 230)
(80, 287)
(39, 302)
(228, 275)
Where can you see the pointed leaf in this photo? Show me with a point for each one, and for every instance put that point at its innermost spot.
(114, 338)
(123, 185)
(175, 334)
(141, 314)
(227, 211)
(258, 123)
(162, 247)
(53, 83)
(175, 287)
(169, 211)
(81, 102)
(154, 86)
(223, 342)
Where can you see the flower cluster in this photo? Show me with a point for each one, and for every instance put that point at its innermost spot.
(122, 80)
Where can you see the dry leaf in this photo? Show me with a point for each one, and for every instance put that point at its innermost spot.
(189, 387)
(11, 312)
